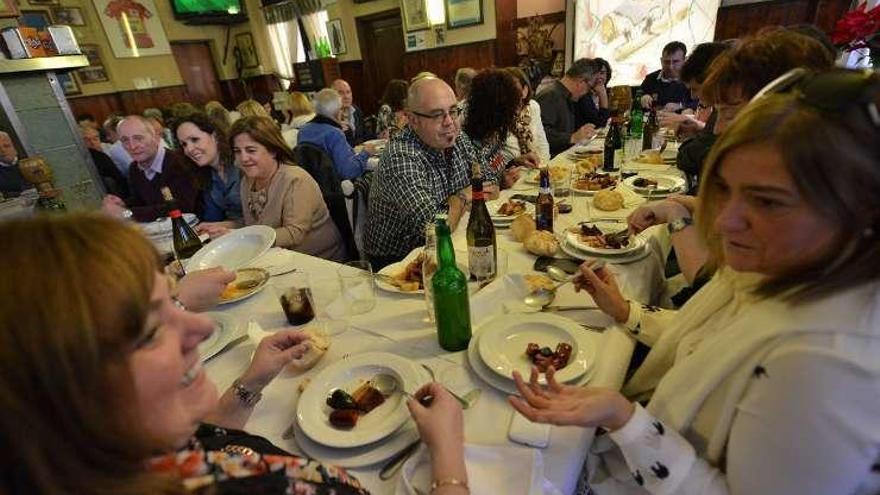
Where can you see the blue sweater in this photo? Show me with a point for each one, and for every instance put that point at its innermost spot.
(332, 140)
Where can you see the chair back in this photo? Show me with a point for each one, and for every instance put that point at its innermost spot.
(319, 165)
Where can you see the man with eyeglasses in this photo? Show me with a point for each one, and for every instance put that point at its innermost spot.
(592, 108)
(558, 102)
(424, 170)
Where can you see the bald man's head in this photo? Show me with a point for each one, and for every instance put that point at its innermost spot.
(91, 138)
(344, 91)
(139, 139)
(432, 112)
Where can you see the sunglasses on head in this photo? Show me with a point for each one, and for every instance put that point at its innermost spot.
(832, 92)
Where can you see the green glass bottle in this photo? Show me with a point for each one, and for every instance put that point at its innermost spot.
(452, 310)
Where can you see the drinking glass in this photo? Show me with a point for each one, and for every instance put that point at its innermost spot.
(358, 286)
(561, 185)
(295, 296)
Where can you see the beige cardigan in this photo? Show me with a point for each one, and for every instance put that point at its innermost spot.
(297, 212)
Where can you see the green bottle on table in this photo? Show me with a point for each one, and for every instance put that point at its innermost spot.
(452, 310)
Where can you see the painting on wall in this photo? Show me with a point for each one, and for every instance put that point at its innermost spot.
(95, 72)
(72, 16)
(35, 18)
(8, 8)
(43, 2)
(415, 15)
(463, 13)
(68, 83)
(337, 36)
(244, 43)
(133, 28)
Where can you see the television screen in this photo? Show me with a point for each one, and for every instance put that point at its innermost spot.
(209, 11)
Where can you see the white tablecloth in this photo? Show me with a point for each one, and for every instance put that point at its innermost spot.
(399, 324)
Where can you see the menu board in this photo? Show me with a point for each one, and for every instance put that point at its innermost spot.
(630, 34)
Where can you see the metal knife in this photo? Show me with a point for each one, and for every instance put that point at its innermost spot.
(396, 462)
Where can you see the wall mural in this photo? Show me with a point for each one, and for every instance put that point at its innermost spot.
(630, 34)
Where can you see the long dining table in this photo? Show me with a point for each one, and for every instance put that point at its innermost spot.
(398, 324)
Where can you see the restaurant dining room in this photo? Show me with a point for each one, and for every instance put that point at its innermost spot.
(440, 247)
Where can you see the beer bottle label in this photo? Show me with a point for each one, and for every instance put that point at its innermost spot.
(481, 262)
(618, 158)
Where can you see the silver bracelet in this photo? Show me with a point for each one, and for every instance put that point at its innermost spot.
(245, 396)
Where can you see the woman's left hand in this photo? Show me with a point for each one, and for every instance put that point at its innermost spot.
(569, 405)
(510, 176)
(274, 353)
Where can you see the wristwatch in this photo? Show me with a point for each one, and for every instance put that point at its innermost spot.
(247, 397)
(679, 224)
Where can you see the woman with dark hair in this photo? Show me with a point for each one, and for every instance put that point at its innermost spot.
(391, 118)
(527, 136)
(203, 141)
(780, 347)
(103, 389)
(277, 193)
(493, 104)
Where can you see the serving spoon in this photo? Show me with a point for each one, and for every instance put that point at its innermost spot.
(541, 296)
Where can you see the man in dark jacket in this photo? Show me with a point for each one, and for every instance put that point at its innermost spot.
(665, 85)
(11, 181)
(558, 101)
(351, 117)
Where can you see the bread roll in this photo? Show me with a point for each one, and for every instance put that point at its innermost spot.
(608, 200)
(319, 343)
(542, 243)
(522, 226)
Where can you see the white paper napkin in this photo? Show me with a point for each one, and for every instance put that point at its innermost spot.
(491, 469)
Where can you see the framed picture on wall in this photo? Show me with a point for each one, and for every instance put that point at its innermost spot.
(72, 16)
(43, 2)
(95, 72)
(244, 43)
(462, 13)
(35, 18)
(337, 36)
(8, 8)
(68, 83)
(415, 15)
(132, 28)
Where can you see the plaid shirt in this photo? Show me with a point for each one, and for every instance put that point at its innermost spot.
(412, 184)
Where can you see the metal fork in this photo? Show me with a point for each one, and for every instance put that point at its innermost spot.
(467, 401)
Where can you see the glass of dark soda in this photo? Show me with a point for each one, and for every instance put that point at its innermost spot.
(295, 296)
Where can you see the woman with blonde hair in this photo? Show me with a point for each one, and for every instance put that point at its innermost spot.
(300, 113)
(277, 193)
(252, 108)
(780, 348)
(219, 113)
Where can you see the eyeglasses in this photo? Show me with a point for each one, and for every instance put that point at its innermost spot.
(440, 115)
(830, 92)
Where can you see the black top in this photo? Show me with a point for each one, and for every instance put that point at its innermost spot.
(11, 181)
(693, 152)
(587, 112)
(114, 182)
(359, 135)
(667, 91)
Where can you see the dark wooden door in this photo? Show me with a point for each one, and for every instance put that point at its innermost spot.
(381, 38)
(196, 67)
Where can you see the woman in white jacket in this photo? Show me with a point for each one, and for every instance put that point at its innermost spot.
(528, 134)
(768, 379)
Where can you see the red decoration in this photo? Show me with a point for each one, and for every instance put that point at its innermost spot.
(857, 28)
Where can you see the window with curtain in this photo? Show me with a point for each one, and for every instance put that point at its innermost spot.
(287, 40)
(287, 48)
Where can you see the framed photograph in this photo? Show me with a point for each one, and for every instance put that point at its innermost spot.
(72, 16)
(43, 2)
(35, 18)
(68, 83)
(337, 36)
(244, 42)
(462, 13)
(95, 72)
(132, 28)
(415, 15)
(8, 8)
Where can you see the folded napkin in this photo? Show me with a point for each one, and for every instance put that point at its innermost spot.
(276, 261)
(491, 469)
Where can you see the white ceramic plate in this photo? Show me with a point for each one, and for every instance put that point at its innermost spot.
(507, 385)
(313, 414)
(355, 457)
(161, 227)
(493, 206)
(395, 268)
(237, 248)
(276, 261)
(226, 329)
(635, 242)
(260, 276)
(666, 184)
(574, 252)
(503, 344)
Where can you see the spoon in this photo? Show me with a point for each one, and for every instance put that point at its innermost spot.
(541, 297)
(387, 385)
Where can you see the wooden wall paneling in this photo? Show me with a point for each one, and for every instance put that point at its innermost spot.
(740, 20)
(233, 93)
(134, 102)
(505, 32)
(365, 98)
(445, 61)
(101, 106)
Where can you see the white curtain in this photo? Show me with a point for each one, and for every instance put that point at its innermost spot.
(287, 48)
(316, 29)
